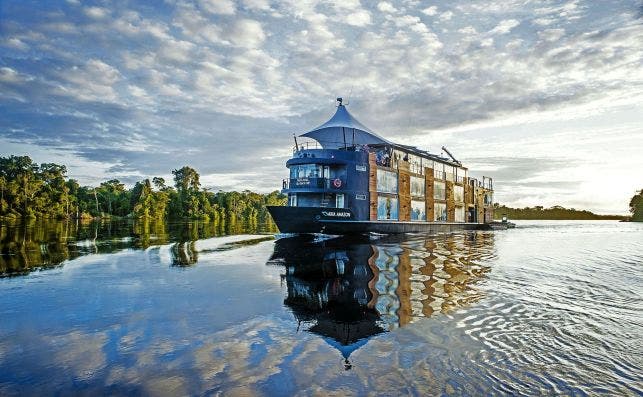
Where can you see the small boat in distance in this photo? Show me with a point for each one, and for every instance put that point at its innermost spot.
(349, 180)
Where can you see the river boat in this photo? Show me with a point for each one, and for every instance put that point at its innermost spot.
(346, 179)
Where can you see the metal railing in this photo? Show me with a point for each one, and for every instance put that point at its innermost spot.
(313, 145)
(307, 145)
(487, 183)
(313, 182)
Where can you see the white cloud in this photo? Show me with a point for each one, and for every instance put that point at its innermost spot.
(224, 7)
(93, 81)
(385, 6)
(504, 26)
(468, 30)
(8, 75)
(15, 43)
(96, 12)
(446, 16)
(359, 18)
(260, 5)
(177, 50)
(551, 34)
(486, 42)
(430, 11)
(247, 33)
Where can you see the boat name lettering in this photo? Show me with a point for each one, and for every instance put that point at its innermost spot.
(360, 167)
(336, 214)
(302, 181)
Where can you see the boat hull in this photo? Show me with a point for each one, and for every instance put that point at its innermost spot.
(340, 221)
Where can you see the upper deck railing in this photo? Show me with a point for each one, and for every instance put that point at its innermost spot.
(314, 182)
(485, 183)
(312, 144)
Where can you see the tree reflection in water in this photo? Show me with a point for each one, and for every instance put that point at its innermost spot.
(45, 244)
(349, 289)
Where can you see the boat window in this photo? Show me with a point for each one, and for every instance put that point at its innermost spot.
(387, 208)
(416, 166)
(339, 201)
(386, 181)
(459, 214)
(418, 210)
(438, 170)
(449, 172)
(440, 212)
(458, 193)
(417, 186)
(293, 200)
(439, 190)
(306, 171)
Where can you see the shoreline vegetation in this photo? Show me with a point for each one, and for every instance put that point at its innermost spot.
(43, 191)
(554, 213)
(31, 191)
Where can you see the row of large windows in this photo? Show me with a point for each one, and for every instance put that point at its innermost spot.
(308, 171)
(316, 200)
(387, 209)
(386, 157)
(316, 171)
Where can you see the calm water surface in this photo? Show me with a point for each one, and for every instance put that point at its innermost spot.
(547, 308)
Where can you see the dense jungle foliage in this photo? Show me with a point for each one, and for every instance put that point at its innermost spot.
(636, 206)
(31, 190)
(556, 213)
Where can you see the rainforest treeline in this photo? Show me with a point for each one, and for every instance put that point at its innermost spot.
(636, 207)
(31, 190)
(556, 212)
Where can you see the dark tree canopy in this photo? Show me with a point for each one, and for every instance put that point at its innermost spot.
(636, 206)
(29, 190)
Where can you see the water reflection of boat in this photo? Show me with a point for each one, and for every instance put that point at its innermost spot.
(347, 290)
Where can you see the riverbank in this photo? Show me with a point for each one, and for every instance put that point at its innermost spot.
(553, 213)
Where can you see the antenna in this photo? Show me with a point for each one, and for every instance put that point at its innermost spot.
(348, 101)
(450, 155)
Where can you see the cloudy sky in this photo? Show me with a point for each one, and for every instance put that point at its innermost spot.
(546, 97)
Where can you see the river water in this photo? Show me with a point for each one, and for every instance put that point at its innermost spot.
(551, 307)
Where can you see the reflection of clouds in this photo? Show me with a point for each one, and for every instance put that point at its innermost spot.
(81, 354)
(154, 351)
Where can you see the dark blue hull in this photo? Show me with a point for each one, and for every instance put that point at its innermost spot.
(340, 221)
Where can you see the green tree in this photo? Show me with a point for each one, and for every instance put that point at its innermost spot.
(636, 206)
(186, 181)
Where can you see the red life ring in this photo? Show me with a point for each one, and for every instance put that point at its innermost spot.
(337, 182)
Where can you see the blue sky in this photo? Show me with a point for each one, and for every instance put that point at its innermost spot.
(544, 96)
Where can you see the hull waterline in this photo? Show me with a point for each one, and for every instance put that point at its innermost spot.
(339, 221)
